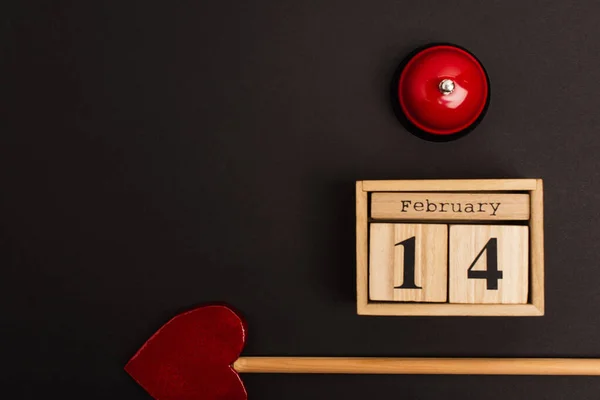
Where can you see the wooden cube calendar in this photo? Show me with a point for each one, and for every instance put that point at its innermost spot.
(450, 247)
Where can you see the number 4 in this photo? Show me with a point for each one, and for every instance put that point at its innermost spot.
(491, 274)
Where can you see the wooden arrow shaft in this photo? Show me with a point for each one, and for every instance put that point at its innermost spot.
(421, 366)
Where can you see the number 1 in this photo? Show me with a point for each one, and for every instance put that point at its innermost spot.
(408, 280)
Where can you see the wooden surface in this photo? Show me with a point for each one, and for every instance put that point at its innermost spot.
(450, 206)
(362, 249)
(536, 240)
(450, 310)
(387, 261)
(467, 242)
(449, 185)
(424, 366)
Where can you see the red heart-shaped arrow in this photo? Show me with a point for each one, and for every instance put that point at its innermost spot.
(196, 356)
(190, 357)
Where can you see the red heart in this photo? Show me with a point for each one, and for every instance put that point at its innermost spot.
(190, 357)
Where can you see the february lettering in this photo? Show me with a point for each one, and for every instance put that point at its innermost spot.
(458, 207)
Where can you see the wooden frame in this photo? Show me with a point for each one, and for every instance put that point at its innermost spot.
(535, 306)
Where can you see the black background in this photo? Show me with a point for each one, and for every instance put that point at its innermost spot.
(157, 155)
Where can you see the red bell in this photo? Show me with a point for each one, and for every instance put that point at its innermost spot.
(441, 92)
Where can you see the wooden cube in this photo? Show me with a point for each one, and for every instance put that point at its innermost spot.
(489, 264)
(498, 202)
(408, 262)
